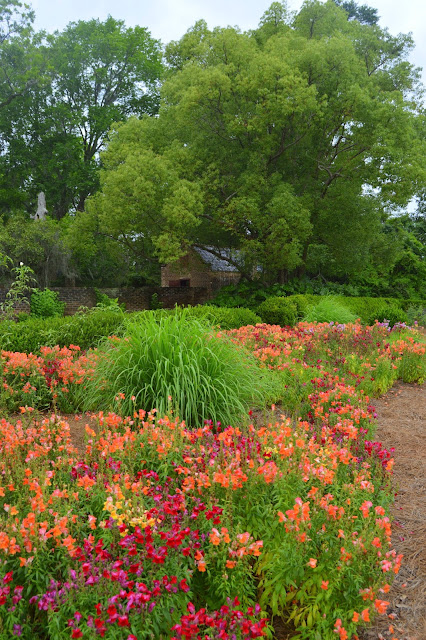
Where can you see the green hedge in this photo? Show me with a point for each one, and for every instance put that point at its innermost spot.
(371, 309)
(89, 328)
(278, 310)
(303, 302)
(82, 329)
(224, 317)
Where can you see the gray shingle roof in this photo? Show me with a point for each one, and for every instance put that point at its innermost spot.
(218, 264)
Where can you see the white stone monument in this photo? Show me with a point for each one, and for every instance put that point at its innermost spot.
(40, 214)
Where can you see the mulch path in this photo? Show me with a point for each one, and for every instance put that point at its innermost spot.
(401, 415)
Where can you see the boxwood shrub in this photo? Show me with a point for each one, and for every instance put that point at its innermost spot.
(278, 310)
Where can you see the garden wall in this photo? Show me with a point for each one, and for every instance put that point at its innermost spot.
(134, 298)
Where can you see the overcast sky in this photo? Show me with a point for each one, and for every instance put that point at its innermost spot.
(169, 19)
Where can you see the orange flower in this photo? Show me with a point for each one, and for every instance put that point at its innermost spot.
(214, 537)
(243, 537)
(365, 615)
(312, 563)
(381, 605)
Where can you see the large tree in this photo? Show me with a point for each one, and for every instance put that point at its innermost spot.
(17, 74)
(99, 73)
(301, 138)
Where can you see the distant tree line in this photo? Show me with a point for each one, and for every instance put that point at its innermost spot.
(300, 144)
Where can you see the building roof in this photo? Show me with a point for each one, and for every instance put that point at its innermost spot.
(218, 264)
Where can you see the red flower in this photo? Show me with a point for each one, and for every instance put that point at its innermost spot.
(123, 621)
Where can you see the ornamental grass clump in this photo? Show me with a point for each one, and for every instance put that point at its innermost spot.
(174, 362)
(329, 309)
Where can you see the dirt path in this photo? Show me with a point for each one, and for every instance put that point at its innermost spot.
(401, 415)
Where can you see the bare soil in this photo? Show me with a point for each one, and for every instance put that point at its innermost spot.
(401, 415)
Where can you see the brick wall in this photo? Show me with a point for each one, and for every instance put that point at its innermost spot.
(134, 298)
(189, 267)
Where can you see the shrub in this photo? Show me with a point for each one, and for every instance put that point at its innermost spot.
(105, 302)
(390, 313)
(176, 361)
(329, 309)
(278, 311)
(416, 313)
(224, 317)
(366, 308)
(302, 302)
(84, 329)
(155, 303)
(246, 294)
(46, 304)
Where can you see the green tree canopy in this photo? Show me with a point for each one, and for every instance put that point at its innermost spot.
(299, 139)
(95, 73)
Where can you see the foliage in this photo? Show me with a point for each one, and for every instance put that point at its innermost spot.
(416, 313)
(146, 200)
(223, 317)
(329, 309)
(389, 313)
(371, 309)
(46, 304)
(174, 362)
(21, 285)
(14, 18)
(278, 310)
(244, 294)
(302, 302)
(95, 258)
(111, 72)
(40, 245)
(86, 329)
(266, 157)
(251, 294)
(362, 13)
(283, 132)
(104, 301)
(155, 302)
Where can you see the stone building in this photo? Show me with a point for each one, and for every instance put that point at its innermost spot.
(199, 268)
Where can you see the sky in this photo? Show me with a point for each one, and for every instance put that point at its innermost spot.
(169, 19)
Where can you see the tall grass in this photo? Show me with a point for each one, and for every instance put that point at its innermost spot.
(329, 309)
(175, 361)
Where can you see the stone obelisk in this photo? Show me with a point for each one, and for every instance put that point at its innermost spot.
(40, 214)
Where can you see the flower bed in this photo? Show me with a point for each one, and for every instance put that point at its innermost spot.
(157, 530)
